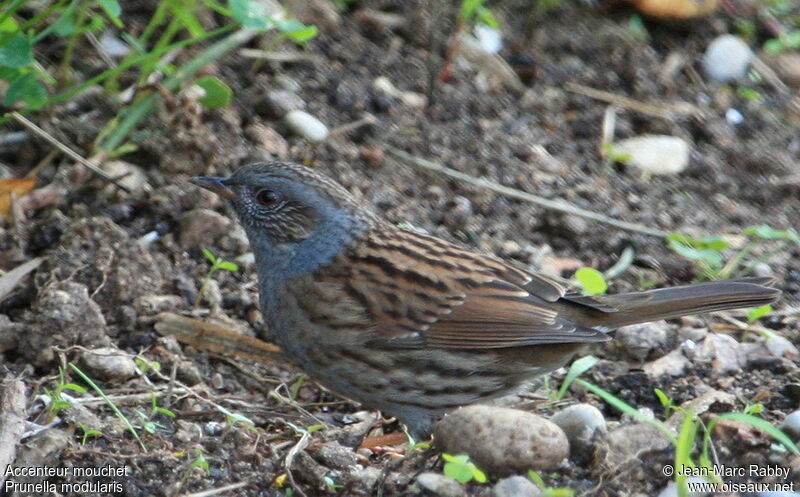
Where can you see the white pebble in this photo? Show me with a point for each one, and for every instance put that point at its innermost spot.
(656, 154)
(304, 124)
(734, 117)
(727, 58)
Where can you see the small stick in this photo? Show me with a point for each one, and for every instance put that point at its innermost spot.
(556, 205)
(665, 111)
(66, 150)
(12, 422)
(220, 490)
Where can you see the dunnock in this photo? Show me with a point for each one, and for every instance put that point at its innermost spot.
(411, 324)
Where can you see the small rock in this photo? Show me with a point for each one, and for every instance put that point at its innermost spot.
(150, 305)
(304, 124)
(188, 373)
(672, 364)
(639, 340)
(515, 486)
(216, 381)
(655, 154)
(693, 334)
(201, 227)
(278, 103)
(187, 432)
(108, 363)
(113, 46)
(502, 441)
(780, 346)
(642, 412)
(64, 315)
(460, 211)
(41, 451)
(762, 270)
(629, 443)
(362, 480)
(671, 490)
(336, 456)
(699, 405)
(580, 423)
(130, 176)
(439, 485)
(791, 425)
(268, 140)
(727, 58)
(724, 352)
(213, 428)
(787, 65)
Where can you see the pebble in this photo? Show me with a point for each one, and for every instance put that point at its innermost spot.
(693, 334)
(580, 424)
(335, 455)
(723, 351)
(65, 315)
(304, 124)
(439, 485)
(515, 486)
(213, 428)
(727, 58)
(655, 154)
(672, 364)
(502, 441)
(639, 340)
(187, 432)
(780, 346)
(791, 425)
(108, 363)
(268, 140)
(787, 65)
(150, 305)
(763, 270)
(278, 103)
(130, 176)
(199, 228)
(631, 442)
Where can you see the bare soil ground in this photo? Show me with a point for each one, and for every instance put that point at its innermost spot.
(113, 261)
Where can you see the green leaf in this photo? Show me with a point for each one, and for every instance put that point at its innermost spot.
(767, 232)
(459, 472)
(578, 368)
(591, 280)
(228, 266)
(112, 10)
(792, 39)
(73, 387)
(773, 46)
(626, 408)
(210, 256)
(249, 13)
(663, 398)
(9, 25)
(295, 30)
(28, 89)
(218, 94)
(757, 313)
(16, 52)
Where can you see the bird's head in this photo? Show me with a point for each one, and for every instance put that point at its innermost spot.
(292, 208)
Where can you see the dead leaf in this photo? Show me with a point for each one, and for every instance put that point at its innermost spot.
(16, 187)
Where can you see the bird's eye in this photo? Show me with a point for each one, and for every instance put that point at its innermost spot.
(267, 198)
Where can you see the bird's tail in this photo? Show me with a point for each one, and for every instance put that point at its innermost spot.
(614, 311)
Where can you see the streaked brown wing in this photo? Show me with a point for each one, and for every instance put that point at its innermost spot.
(422, 291)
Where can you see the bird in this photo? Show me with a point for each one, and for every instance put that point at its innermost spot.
(411, 324)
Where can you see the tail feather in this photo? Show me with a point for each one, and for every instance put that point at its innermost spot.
(614, 311)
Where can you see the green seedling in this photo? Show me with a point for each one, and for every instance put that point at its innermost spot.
(666, 401)
(757, 313)
(217, 264)
(715, 259)
(87, 432)
(591, 281)
(577, 368)
(548, 491)
(461, 469)
(57, 401)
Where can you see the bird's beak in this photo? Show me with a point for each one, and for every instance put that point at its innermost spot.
(216, 185)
